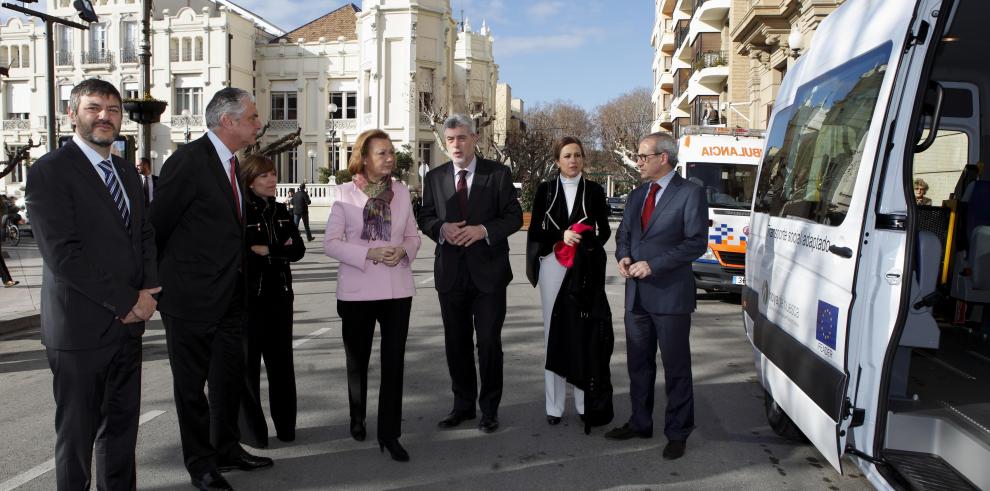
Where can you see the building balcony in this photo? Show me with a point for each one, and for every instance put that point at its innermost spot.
(283, 125)
(129, 55)
(681, 30)
(667, 81)
(63, 58)
(340, 124)
(97, 57)
(705, 112)
(16, 124)
(668, 42)
(708, 59)
(711, 11)
(182, 121)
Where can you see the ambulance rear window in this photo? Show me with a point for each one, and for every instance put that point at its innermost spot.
(815, 145)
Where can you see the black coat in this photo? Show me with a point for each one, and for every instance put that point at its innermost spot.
(269, 224)
(199, 235)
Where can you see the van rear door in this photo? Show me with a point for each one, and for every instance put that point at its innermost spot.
(815, 206)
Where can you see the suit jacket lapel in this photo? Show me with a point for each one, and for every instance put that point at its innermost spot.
(479, 182)
(447, 192)
(93, 179)
(134, 194)
(216, 168)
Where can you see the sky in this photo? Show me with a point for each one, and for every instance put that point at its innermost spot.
(583, 51)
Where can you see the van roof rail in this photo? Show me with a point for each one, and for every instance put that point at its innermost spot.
(719, 130)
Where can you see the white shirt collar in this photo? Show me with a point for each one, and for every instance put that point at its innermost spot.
(470, 168)
(222, 151)
(93, 156)
(665, 180)
(567, 180)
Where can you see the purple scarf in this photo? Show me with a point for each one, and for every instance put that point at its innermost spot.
(377, 211)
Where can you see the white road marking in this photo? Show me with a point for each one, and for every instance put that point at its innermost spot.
(40, 470)
(426, 281)
(315, 334)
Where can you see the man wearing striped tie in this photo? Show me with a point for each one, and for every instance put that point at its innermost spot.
(98, 278)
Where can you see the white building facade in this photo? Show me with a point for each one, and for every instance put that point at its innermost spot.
(377, 66)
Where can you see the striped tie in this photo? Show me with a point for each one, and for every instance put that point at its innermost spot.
(110, 179)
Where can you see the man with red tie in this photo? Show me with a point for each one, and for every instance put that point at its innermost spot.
(663, 231)
(199, 226)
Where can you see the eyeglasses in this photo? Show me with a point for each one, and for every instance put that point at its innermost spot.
(646, 156)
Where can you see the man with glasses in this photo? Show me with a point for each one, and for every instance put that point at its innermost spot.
(663, 230)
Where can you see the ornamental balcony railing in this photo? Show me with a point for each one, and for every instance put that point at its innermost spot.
(181, 121)
(97, 57)
(63, 58)
(16, 124)
(129, 55)
(709, 58)
(340, 124)
(283, 124)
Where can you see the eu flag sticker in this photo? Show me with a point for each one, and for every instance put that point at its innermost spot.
(828, 323)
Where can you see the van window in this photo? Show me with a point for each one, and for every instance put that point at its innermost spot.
(815, 145)
(938, 168)
(726, 185)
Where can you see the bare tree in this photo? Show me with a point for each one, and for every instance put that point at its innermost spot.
(435, 114)
(620, 123)
(16, 156)
(283, 144)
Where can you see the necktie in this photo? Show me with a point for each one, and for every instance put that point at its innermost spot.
(147, 190)
(462, 192)
(233, 186)
(649, 205)
(110, 179)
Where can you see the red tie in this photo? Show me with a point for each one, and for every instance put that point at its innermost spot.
(233, 186)
(649, 205)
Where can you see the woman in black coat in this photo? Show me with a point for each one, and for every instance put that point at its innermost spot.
(560, 206)
(273, 242)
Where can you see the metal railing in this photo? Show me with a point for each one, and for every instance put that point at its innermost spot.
(681, 77)
(129, 55)
(180, 120)
(283, 124)
(681, 31)
(16, 124)
(340, 124)
(709, 58)
(63, 58)
(97, 57)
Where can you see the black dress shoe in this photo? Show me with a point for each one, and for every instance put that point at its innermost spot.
(488, 424)
(455, 418)
(358, 430)
(286, 437)
(674, 449)
(395, 449)
(624, 432)
(211, 480)
(244, 462)
(553, 420)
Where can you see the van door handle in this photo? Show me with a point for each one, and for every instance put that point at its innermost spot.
(841, 251)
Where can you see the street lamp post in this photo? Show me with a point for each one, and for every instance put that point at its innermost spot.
(185, 116)
(331, 140)
(312, 165)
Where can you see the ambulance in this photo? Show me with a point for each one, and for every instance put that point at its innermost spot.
(867, 297)
(724, 162)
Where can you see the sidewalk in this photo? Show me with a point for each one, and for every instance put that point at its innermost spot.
(19, 305)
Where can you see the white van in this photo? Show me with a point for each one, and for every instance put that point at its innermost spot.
(867, 306)
(724, 162)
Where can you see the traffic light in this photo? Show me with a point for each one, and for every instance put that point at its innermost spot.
(85, 9)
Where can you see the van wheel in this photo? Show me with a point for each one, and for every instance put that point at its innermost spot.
(780, 423)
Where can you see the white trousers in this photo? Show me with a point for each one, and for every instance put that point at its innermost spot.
(551, 276)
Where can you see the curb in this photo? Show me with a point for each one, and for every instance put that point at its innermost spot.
(30, 321)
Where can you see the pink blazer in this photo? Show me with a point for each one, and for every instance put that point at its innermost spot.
(358, 277)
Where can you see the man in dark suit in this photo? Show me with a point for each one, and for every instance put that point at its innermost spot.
(98, 278)
(300, 209)
(664, 228)
(149, 181)
(469, 210)
(198, 216)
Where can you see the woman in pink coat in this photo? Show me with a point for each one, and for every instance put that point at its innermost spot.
(372, 232)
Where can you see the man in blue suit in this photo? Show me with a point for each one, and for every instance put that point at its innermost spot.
(663, 230)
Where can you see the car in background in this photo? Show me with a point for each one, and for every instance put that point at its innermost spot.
(616, 204)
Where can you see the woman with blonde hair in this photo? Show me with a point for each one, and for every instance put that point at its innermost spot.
(372, 232)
